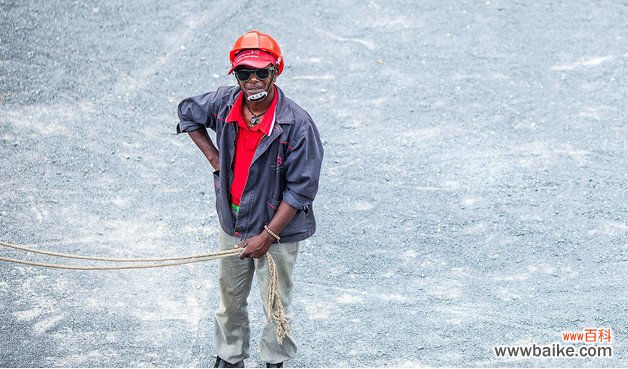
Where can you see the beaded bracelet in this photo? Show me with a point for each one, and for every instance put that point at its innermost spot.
(271, 233)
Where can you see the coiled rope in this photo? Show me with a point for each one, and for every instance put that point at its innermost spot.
(274, 307)
(276, 312)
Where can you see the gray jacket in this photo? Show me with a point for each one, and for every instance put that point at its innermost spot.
(286, 165)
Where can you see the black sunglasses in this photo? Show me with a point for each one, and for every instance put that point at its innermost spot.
(244, 75)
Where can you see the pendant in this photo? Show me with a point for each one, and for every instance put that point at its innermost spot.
(254, 120)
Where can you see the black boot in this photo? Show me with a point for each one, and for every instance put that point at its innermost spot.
(278, 365)
(220, 363)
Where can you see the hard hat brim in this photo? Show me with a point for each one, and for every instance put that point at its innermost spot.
(253, 58)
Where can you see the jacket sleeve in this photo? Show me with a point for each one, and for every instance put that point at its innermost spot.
(197, 112)
(303, 167)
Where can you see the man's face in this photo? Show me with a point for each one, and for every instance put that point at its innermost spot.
(253, 81)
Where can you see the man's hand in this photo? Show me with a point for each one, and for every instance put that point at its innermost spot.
(203, 141)
(256, 246)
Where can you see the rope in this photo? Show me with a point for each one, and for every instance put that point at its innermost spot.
(117, 260)
(274, 307)
(189, 260)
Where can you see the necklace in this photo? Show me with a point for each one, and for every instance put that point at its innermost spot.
(255, 118)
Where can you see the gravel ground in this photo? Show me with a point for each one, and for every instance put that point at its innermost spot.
(473, 192)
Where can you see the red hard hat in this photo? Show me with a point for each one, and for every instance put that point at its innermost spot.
(261, 41)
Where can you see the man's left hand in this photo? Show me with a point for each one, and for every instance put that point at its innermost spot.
(256, 246)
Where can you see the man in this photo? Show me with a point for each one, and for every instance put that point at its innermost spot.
(267, 160)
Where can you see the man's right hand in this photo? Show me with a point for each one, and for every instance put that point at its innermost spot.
(204, 142)
(215, 163)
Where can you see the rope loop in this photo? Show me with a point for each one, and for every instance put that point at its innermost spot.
(274, 307)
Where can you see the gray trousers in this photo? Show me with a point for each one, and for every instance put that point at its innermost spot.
(231, 321)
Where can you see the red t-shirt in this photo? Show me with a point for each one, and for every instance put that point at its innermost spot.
(247, 141)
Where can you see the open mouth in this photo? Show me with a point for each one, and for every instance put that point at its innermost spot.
(254, 91)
